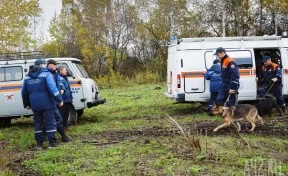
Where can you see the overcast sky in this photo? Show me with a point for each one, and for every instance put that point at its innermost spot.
(49, 7)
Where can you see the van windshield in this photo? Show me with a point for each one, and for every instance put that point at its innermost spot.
(81, 70)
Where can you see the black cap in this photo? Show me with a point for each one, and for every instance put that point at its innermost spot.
(219, 50)
(51, 61)
(39, 62)
(265, 58)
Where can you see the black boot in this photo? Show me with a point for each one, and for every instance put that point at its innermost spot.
(283, 109)
(52, 144)
(39, 146)
(65, 138)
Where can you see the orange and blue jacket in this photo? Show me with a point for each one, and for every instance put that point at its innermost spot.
(271, 71)
(229, 73)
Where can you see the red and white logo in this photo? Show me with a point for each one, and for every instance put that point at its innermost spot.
(9, 97)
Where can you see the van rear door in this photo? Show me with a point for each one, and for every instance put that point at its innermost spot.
(193, 71)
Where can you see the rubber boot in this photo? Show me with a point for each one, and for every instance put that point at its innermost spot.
(65, 138)
(283, 109)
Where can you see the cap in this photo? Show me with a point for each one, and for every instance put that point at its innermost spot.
(216, 61)
(51, 61)
(219, 50)
(39, 62)
(265, 58)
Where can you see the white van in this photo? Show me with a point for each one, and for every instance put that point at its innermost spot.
(189, 58)
(14, 67)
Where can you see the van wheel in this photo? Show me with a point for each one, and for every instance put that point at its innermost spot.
(5, 121)
(72, 119)
(80, 113)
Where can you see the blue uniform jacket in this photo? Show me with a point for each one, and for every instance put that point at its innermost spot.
(271, 71)
(57, 79)
(67, 95)
(39, 90)
(214, 75)
(229, 73)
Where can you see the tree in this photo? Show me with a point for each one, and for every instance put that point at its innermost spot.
(15, 26)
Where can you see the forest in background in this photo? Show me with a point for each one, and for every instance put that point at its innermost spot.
(123, 40)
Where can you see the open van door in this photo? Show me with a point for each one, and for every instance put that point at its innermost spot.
(247, 69)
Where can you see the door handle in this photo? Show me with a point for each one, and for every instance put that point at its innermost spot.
(195, 89)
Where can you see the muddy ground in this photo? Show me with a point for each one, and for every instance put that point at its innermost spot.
(275, 127)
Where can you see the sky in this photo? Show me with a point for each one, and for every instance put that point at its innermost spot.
(49, 7)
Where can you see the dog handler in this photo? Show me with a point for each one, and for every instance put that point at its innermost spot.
(230, 79)
(272, 76)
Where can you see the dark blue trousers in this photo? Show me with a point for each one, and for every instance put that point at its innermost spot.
(44, 118)
(213, 98)
(58, 119)
(222, 97)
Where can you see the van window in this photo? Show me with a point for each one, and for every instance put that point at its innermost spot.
(242, 58)
(11, 74)
(69, 72)
(81, 70)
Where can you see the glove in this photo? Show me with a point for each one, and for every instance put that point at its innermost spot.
(274, 79)
(231, 91)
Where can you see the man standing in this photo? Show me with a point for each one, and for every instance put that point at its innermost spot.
(214, 75)
(272, 75)
(40, 93)
(51, 67)
(230, 79)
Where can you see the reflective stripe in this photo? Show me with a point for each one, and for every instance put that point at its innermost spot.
(38, 131)
(55, 94)
(51, 131)
(234, 82)
(27, 77)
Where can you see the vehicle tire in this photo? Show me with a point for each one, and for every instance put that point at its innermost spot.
(72, 119)
(5, 122)
(80, 114)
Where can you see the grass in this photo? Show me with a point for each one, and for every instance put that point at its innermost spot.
(137, 114)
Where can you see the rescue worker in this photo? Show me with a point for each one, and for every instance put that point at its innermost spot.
(67, 96)
(214, 75)
(51, 67)
(230, 79)
(40, 93)
(272, 76)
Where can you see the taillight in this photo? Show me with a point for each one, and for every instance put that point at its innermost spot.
(178, 81)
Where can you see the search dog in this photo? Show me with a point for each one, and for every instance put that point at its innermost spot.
(237, 113)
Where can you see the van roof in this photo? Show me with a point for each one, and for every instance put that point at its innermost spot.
(19, 61)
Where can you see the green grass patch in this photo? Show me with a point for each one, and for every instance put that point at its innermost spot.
(137, 108)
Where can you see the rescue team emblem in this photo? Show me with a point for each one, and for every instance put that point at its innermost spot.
(9, 97)
(232, 66)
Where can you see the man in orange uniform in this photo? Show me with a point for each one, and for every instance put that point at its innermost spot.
(230, 79)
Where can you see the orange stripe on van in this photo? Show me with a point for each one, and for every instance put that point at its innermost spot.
(201, 74)
(10, 90)
(9, 85)
(196, 74)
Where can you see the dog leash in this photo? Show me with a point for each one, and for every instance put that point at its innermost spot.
(225, 104)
